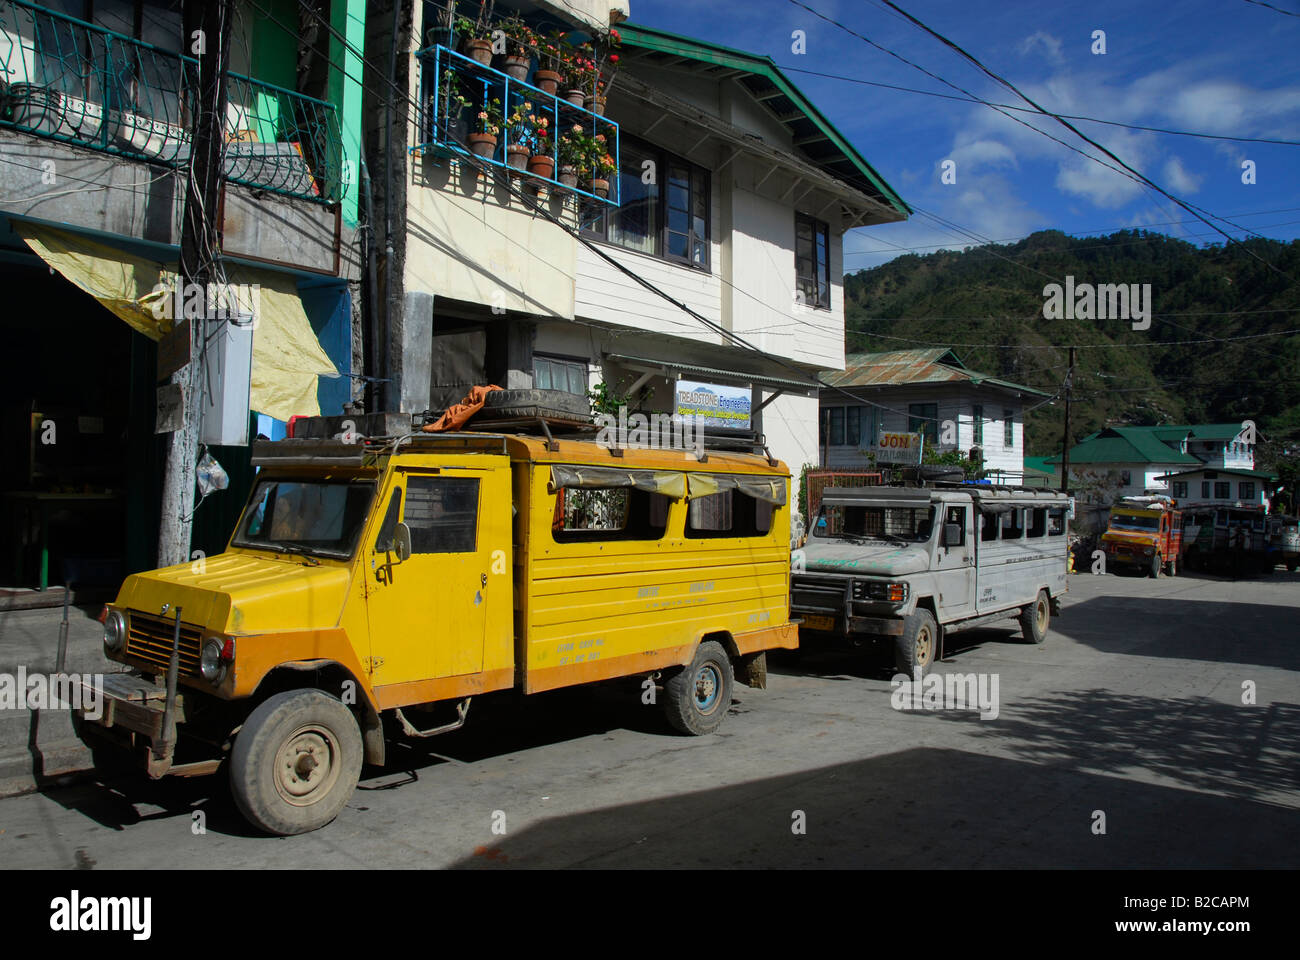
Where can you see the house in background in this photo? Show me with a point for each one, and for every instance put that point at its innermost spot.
(1127, 461)
(733, 195)
(1234, 487)
(927, 391)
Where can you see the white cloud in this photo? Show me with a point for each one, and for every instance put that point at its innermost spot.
(1051, 46)
(1178, 178)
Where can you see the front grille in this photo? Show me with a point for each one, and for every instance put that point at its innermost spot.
(816, 596)
(149, 639)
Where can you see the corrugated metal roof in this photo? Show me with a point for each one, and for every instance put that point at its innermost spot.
(911, 367)
(1158, 444)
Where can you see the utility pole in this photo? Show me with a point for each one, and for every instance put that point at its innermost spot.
(1065, 438)
(207, 35)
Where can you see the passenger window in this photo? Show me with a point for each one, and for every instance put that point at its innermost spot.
(442, 513)
(1013, 525)
(608, 513)
(955, 516)
(384, 542)
(1037, 521)
(1055, 523)
(989, 527)
(728, 514)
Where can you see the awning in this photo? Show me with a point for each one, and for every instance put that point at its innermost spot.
(287, 357)
(674, 369)
(768, 489)
(670, 483)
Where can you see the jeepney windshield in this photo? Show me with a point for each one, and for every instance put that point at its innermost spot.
(322, 517)
(1133, 521)
(890, 524)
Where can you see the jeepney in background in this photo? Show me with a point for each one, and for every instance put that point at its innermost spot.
(381, 582)
(1144, 534)
(1283, 540)
(1226, 539)
(907, 566)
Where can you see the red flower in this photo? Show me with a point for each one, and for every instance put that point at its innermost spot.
(613, 58)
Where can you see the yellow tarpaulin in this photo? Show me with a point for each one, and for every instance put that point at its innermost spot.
(287, 357)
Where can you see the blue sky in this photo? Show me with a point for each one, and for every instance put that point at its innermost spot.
(1225, 67)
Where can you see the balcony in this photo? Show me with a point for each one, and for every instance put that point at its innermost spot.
(67, 80)
(448, 79)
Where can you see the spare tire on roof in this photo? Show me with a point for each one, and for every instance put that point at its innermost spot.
(556, 404)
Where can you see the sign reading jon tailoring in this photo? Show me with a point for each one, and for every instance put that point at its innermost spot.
(712, 405)
(899, 447)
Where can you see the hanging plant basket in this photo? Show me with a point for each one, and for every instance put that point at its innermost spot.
(479, 49)
(517, 156)
(541, 165)
(548, 81)
(482, 144)
(517, 67)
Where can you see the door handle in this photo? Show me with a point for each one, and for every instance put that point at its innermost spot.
(483, 579)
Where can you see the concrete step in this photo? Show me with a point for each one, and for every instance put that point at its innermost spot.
(37, 746)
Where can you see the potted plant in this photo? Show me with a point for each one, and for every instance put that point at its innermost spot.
(606, 69)
(552, 60)
(572, 156)
(520, 41)
(517, 148)
(487, 126)
(476, 33)
(449, 106)
(542, 161)
(580, 78)
(601, 166)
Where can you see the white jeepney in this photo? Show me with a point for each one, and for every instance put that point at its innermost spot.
(909, 565)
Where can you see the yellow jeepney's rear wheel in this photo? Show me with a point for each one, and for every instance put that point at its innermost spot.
(697, 697)
(296, 761)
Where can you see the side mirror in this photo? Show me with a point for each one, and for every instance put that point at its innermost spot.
(402, 541)
(952, 535)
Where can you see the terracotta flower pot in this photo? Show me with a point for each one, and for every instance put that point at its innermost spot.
(568, 176)
(517, 67)
(547, 80)
(599, 187)
(517, 156)
(598, 106)
(576, 97)
(480, 49)
(482, 144)
(541, 165)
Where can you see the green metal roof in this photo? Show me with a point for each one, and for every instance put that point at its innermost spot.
(824, 145)
(1038, 465)
(1129, 445)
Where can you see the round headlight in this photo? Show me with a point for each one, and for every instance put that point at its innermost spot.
(114, 630)
(211, 666)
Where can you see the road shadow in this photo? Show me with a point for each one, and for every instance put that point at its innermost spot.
(1186, 629)
(918, 808)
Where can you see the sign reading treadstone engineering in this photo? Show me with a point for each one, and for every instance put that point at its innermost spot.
(712, 405)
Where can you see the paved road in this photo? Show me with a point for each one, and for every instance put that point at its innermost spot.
(1133, 707)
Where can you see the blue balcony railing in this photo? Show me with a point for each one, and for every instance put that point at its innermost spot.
(446, 126)
(65, 79)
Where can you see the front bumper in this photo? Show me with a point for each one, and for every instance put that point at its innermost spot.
(135, 717)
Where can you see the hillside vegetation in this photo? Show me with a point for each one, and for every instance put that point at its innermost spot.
(987, 303)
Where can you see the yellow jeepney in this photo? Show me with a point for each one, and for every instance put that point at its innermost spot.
(394, 578)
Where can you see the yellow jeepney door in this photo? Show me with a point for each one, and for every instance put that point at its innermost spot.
(428, 613)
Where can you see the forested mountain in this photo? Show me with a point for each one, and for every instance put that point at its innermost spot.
(1191, 365)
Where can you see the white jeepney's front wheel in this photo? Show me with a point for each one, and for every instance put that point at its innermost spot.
(917, 647)
(1035, 618)
(296, 761)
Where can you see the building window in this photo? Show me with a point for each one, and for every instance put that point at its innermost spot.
(1222, 489)
(1246, 490)
(1009, 428)
(1180, 489)
(812, 261)
(837, 426)
(1205, 490)
(1125, 478)
(859, 427)
(668, 218)
(923, 418)
(977, 424)
(558, 373)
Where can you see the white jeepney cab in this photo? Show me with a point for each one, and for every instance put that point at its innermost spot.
(910, 565)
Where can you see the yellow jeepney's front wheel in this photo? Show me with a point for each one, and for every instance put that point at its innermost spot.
(296, 761)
